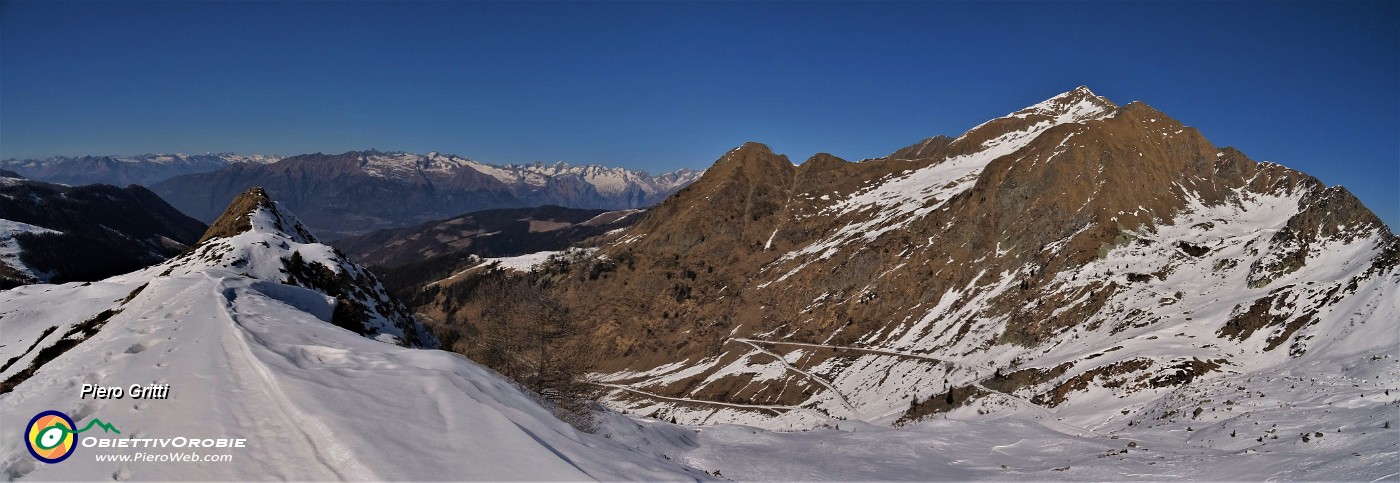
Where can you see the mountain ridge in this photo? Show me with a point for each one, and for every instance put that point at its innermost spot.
(1053, 235)
(361, 191)
(260, 239)
(489, 233)
(52, 233)
(245, 332)
(143, 169)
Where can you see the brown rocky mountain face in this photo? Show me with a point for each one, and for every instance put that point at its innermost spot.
(1039, 261)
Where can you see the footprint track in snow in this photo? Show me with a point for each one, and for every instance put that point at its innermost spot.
(17, 467)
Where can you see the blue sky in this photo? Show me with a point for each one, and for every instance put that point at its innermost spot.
(658, 86)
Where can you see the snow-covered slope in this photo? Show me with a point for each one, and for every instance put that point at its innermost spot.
(1253, 439)
(10, 251)
(262, 240)
(1037, 293)
(1092, 269)
(248, 356)
(891, 203)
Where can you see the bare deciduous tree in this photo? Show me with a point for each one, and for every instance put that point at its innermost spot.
(528, 335)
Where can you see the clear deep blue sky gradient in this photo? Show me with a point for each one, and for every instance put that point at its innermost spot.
(658, 86)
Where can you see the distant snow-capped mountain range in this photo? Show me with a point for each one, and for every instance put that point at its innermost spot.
(605, 180)
(143, 169)
(361, 191)
(151, 168)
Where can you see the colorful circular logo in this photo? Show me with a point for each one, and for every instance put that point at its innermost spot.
(50, 436)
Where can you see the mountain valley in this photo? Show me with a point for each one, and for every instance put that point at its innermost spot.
(53, 233)
(1078, 290)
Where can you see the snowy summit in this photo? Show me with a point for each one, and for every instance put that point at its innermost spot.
(247, 340)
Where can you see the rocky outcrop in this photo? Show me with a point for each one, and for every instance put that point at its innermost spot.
(260, 239)
(237, 218)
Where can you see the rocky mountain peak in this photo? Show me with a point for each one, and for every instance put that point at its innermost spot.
(259, 239)
(753, 158)
(822, 161)
(732, 206)
(1034, 255)
(253, 210)
(1008, 133)
(1079, 103)
(749, 150)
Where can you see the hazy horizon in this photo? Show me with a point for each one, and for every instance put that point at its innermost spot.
(661, 86)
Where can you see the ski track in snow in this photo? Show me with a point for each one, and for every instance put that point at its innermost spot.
(872, 350)
(808, 375)
(769, 407)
